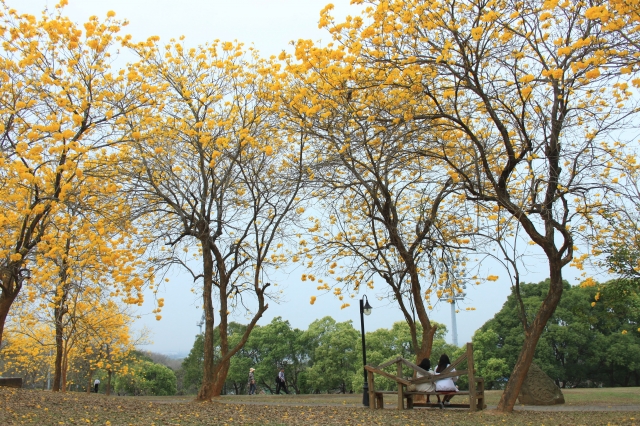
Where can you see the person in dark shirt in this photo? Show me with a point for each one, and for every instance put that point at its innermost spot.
(281, 383)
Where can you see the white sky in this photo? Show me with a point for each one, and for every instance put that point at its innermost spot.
(270, 25)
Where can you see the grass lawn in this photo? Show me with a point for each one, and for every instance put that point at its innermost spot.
(587, 397)
(19, 406)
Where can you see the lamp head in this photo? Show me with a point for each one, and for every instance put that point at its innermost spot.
(366, 309)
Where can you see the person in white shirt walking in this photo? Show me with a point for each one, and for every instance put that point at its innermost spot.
(96, 384)
(281, 383)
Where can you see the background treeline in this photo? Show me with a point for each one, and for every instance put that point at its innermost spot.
(327, 357)
(589, 342)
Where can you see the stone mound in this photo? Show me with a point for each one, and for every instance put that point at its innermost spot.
(539, 389)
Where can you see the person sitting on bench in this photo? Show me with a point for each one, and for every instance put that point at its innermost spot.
(446, 384)
(425, 364)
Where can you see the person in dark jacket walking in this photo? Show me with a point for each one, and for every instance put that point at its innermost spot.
(281, 383)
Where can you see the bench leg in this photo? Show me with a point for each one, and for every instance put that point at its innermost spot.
(409, 402)
(379, 401)
(480, 405)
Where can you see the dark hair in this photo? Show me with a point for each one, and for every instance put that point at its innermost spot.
(442, 364)
(425, 364)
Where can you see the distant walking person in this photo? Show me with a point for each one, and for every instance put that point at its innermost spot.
(252, 382)
(281, 383)
(96, 384)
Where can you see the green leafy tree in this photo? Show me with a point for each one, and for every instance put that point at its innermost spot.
(192, 366)
(158, 379)
(591, 339)
(335, 358)
(616, 315)
(145, 377)
(493, 369)
(277, 345)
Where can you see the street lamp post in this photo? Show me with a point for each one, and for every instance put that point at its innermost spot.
(365, 309)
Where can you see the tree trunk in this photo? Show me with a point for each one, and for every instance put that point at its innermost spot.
(520, 370)
(89, 384)
(222, 368)
(387, 208)
(57, 375)
(10, 290)
(58, 313)
(215, 376)
(428, 331)
(220, 377)
(611, 379)
(109, 373)
(427, 343)
(408, 258)
(207, 388)
(64, 370)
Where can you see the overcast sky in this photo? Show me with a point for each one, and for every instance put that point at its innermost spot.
(270, 25)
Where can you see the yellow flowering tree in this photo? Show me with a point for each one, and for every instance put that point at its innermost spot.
(526, 101)
(617, 241)
(28, 355)
(91, 253)
(93, 334)
(216, 178)
(58, 105)
(105, 340)
(385, 212)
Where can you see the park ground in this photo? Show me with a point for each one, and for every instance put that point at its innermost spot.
(608, 406)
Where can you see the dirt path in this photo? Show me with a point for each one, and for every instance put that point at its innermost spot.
(623, 400)
(333, 401)
(563, 407)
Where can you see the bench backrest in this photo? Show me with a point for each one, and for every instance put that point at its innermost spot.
(427, 376)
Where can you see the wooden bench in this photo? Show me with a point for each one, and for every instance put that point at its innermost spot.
(11, 382)
(475, 392)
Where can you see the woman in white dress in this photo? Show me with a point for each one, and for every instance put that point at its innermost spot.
(447, 384)
(425, 364)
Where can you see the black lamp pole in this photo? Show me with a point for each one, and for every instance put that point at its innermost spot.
(365, 309)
